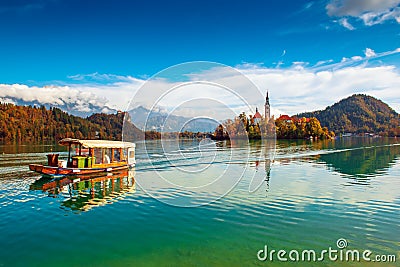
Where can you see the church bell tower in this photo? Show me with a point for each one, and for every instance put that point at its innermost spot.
(267, 113)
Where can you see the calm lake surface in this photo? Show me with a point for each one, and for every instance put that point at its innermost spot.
(308, 197)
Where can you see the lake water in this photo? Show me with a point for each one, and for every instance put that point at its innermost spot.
(310, 195)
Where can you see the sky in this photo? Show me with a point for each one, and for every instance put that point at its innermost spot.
(307, 54)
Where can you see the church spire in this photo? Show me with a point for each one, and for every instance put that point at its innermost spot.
(267, 112)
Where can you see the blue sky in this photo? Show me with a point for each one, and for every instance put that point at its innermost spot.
(52, 42)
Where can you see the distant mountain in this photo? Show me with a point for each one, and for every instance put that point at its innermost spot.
(163, 122)
(82, 108)
(358, 113)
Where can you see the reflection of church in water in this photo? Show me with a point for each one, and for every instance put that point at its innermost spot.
(267, 167)
(266, 160)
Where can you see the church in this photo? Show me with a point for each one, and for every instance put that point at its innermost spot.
(267, 111)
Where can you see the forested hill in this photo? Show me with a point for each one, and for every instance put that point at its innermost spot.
(34, 124)
(358, 113)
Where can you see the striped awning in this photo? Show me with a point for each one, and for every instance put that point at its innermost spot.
(96, 143)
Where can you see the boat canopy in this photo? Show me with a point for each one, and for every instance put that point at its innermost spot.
(96, 143)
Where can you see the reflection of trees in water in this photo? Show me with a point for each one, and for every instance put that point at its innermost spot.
(357, 157)
(362, 162)
(84, 193)
(36, 147)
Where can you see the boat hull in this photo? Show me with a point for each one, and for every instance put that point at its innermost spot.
(60, 171)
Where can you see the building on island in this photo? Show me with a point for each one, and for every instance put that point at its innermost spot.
(257, 117)
(286, 118)
(267, 112)
(267, 108)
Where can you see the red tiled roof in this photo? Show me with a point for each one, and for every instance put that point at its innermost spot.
(257, 115)
(285, 117)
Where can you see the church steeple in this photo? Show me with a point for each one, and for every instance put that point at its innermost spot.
(267, 113)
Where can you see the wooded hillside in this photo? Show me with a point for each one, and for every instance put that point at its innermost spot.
(358, 113)
(36, 124)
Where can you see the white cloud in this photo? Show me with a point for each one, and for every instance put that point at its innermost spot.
(101, 77)
(369, 53)
(118, 95)
(54, 95)
(373, 18)
(356, 58)
(344, 59)
(346, 24)
(323, 62)
(370, 12)
(292, 90)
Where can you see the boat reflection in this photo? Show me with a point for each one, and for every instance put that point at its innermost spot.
(82, 193)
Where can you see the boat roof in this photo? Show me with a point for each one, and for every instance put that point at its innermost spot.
(96, 143)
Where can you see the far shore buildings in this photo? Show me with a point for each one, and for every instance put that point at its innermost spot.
(257, 117)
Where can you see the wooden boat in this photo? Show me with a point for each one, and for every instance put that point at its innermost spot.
(92, 156)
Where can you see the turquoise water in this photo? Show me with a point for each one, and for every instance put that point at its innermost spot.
(309, 196)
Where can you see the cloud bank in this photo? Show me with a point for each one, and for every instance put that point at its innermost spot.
(65, 97)
(292, 90)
